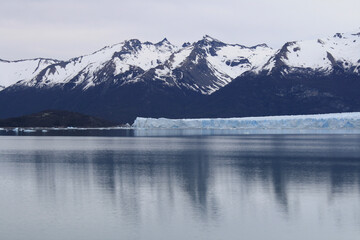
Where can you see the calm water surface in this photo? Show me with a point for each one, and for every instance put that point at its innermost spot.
(188, 187)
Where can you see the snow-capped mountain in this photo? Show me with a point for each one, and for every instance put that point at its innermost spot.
(340, 52)
(21, 70)
(119, 63)
(207, 78)
(204, 66)
(209, 64)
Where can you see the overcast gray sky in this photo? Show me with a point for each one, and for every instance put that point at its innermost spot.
(67, 28)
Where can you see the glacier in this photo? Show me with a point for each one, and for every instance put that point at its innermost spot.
(318, 121)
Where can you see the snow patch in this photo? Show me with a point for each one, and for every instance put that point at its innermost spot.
(15, 71)
(179, 57)
(322, 54)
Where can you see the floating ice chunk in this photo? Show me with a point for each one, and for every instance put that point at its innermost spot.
(29, 130)
(320, 121)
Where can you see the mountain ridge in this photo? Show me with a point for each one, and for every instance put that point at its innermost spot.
(133, 78)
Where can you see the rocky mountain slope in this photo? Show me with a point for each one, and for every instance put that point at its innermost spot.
(54, 118)
(207, 78)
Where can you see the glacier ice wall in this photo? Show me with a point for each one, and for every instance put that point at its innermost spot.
(320, 121)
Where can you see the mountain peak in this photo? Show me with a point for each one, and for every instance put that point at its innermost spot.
(164, 42)
(263, 45)
(208, 38)
(132, 44)
(186, 44)
(133, 41)
(209, 41)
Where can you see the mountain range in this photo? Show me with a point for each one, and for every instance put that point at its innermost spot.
(207, 78)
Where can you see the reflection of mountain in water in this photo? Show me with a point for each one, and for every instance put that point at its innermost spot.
(138, 177)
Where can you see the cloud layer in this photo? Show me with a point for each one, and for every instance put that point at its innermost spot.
(68, 28)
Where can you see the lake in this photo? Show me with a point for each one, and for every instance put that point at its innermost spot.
(147, 186)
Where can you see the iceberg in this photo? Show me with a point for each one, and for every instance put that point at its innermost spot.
(318, 121)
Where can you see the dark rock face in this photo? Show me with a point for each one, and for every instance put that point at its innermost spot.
(263, 95)
(55, 118)
(118, 103)
(237, 62)
(249, 95)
